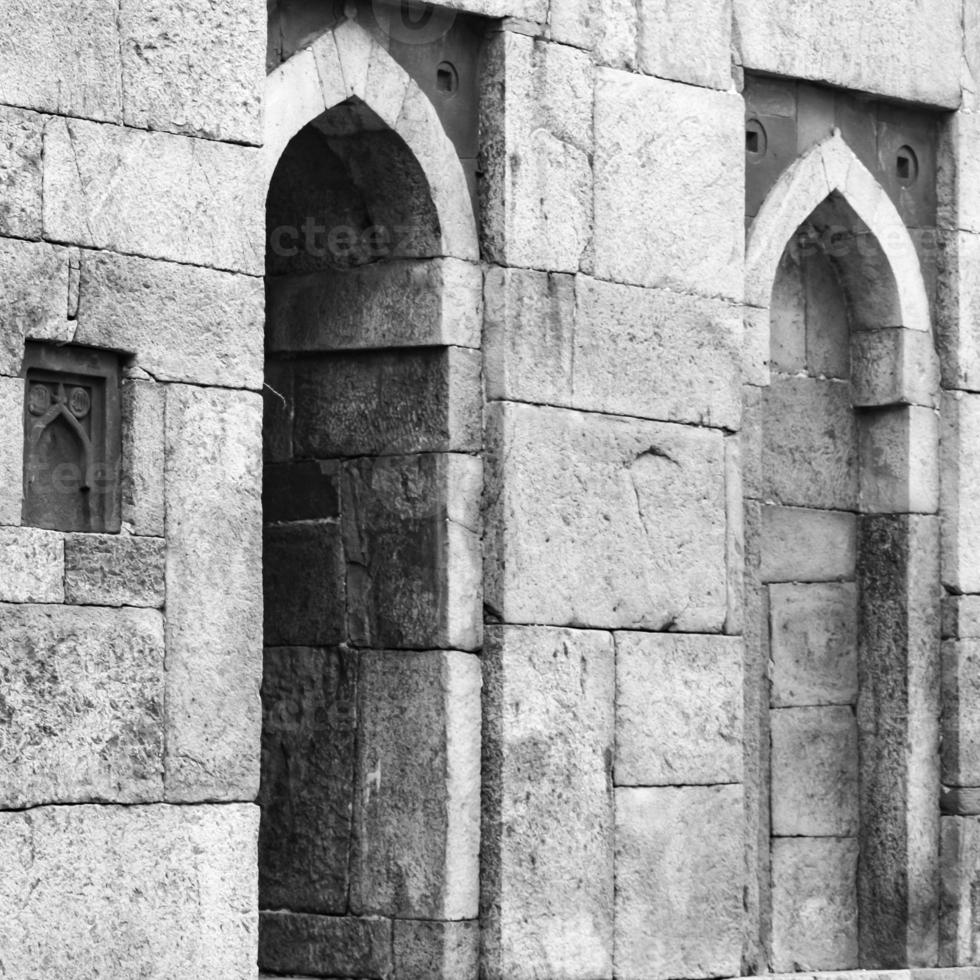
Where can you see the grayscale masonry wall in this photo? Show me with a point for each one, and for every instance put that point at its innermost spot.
(489, 490)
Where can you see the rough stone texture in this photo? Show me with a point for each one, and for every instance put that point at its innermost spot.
(61, 57)
(388, 402)
(735, 536)
(893, 366)
(914, 53)
(814, 772)
(899, 452)
(33, 565)
(182, 323)
(604, 522)
(679, 877)
(11, 451)
(320, 945)
(20, 172)
(809, 443)
(436, 950)
(413, 549)
(141, 490)
(132, 893)
(416, 844)
(169, 197)
(214, 598)
(33, 298)
(898, 724)
(961, 723)
(665, 216)
(304, 582)
(194, 67)
(815, 911)
(961, 616)
(547, 871)
(688, 41)
(309, 699)
(960, 863)
(958, 322)
(960, 474)
(383, 304)
(82, 705)
(678, 709)
(800, 545)
(813, 644)
(536, 144)
(114, 570)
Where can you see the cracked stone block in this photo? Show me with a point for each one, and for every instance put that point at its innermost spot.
(196, 68)
(679, 878)
(141, 481)
(20, 172)
(383, 403)
(182, 323)
(802, 545)
(114, 570)
(436, 950)
(665, 216)
(415, 852)
(688, 41)
(547, 874)
(82, 705)
(604, 522)
(815, 911)
(678, 709)
(33, 568)
(814, 772)
(214, 592)
(129, 892)
(171, 197)
(912, 54)
(62, 57)
(309, 700)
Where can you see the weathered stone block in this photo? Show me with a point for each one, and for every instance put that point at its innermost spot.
(961, 617)
(679, 878)
(400, 303)
(809, 447)
(800, 545)
(912, 54)
(413, 548)
(171, 197)
(141, 482)
(325, 945)
(197, 68)
(304, 584)
(82, 705)
(33, 568)
(735, 537)
(787, 316)
(416, 844)
(114, 570)
(547, 874)
(959, 200)
(688, 41)
(61, 57)
(183, 323)
(961, 718)
(214, 592)
(664, 215)
(607, 27)
(278, 408)
(814, 772)
(960, 864)
(960, 475)
(604, 522)
(436, 950)
(813, 644)
(305, 490)
(33, 298)
(11, 451)
(899, 452)
(20, 172)
(958, 320)
(309, 701)
(815, 911)
(388, 402)
(893, 366)
(129, 892)
(536, 141)
(678, 709)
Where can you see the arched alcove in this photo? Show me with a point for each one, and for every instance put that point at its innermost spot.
(842, 574)
(373, 604)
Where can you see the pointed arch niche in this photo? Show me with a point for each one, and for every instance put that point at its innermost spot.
(370, 788)
(841, 487)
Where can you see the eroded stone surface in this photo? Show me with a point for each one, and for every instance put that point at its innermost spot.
(802, 545)
(604, 522)
(961, 720)
(547, 874)
(82, 705)
(20, 172)
(678, 709)
(11, 451)
(960, 473)
(114, 570)
(436, 950)
(141, 491)
(33, 566)
(688, 41)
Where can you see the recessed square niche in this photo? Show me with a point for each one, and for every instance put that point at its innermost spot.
(72, 440)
